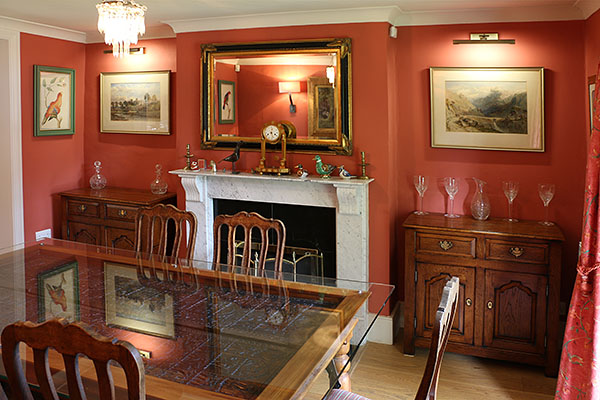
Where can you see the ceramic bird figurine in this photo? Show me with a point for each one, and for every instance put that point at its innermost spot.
(233, 157)
(323, 169)
(53, 110)
(301, 172)
(345, 174)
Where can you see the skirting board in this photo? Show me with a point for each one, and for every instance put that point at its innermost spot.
(386, 327)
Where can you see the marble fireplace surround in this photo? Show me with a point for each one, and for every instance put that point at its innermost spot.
(350, 198)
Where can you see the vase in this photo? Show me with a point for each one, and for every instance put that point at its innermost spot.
(480, 205)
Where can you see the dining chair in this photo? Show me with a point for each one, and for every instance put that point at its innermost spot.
(160, 229)
(70, 340)
(444, 318)
(249, 222)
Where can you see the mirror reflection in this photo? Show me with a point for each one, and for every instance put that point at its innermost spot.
(249, 85)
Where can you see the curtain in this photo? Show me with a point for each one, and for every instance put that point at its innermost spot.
(579, 372)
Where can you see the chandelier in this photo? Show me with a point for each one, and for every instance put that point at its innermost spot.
(121, 21)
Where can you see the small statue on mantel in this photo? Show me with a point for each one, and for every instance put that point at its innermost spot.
(323, 169)
(345, 174)
(233, 157)
(301, 172)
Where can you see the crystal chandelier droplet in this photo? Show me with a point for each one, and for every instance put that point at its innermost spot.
(121, 21)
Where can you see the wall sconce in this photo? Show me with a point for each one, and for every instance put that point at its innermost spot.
(484, 38)
(132, 51)
(289, 88)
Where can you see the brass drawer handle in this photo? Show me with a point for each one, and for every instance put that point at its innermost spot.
(516, 251)
(490, 305)
(82, 207)
(469, 302)
(122, 213)
(446, 245)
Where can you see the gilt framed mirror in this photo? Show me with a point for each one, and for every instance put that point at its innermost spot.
(306, 83)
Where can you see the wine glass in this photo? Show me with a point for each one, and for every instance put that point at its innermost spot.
(546, 191)
(421, 183)
(451, 185)
(511, 189)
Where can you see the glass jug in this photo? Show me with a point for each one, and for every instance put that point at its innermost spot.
(480, 205)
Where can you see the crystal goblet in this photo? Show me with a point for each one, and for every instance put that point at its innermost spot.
(421, 183)
(451, 186)
(546, 192)
(511, 189)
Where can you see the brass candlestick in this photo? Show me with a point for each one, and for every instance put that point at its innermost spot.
(188, 156)
(363, 166)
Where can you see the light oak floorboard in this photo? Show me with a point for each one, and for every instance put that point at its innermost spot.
(383, 372)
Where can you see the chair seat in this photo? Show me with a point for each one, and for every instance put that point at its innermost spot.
(338, 394)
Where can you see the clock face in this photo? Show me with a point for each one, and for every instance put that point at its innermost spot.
(271, 133)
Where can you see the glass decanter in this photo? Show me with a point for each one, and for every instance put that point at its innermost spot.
(480, 205)
(97, 181)
(158, 185)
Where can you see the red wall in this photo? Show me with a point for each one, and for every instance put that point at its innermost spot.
(51, 164)
(592, 51)
(226, 72)
(556, 46)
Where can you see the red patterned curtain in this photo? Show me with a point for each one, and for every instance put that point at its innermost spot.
(579, 373)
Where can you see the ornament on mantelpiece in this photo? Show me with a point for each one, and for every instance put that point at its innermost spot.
(158, 185)
(322, 168)
(345, 174)
(97, 181)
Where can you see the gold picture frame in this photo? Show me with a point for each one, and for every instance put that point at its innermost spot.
(322, 121)
(132, 306)
(487, 108)
(135, 102)
(591, 96)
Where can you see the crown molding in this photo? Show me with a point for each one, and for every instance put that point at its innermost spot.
(587, 7)
(491, 15)
(317, 17)
(35, 28)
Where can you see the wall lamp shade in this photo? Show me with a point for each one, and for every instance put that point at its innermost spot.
(290, 87)
(484, 38)
(121, 21)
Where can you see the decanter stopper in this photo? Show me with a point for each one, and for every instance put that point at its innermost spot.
(158, 185)
(97, 181)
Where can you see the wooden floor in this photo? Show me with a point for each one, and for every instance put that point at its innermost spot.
(383, 372)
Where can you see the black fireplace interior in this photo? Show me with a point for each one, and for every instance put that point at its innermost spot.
(306, 227)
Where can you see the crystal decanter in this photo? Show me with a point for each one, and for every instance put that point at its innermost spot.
(158, 185)
(97, 181)
(480, 205)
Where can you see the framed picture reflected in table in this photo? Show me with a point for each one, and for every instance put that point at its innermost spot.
(58, 293)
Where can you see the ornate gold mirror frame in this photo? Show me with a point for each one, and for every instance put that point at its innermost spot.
(231, 101)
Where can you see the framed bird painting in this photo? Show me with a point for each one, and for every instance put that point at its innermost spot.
(54, 101)
(58, 293)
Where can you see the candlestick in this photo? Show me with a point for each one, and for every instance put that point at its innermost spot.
(363, 166)
(188, 156)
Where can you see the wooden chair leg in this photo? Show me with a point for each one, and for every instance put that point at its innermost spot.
(334, 369)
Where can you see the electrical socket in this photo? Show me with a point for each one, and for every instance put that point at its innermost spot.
(46, 233)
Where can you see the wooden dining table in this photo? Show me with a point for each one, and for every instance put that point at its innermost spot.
(205, 331)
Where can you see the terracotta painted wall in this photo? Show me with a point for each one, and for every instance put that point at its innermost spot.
(128, 160)
(592, 51)
(54, 163)
(556, 46)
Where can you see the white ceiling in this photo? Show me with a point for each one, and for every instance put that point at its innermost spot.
(78, 18)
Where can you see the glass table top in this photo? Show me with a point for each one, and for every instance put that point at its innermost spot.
(203, 328)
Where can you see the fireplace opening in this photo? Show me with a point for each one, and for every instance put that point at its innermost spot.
(310, 234)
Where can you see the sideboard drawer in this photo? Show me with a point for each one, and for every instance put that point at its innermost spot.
(83, 208)
(121, 213)
(517, 252)
(463, 246)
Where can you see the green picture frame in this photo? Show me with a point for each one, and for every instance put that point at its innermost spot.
(58, 293)
(53, 101)
(226, 102)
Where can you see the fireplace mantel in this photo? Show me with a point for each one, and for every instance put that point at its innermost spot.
(349, 197)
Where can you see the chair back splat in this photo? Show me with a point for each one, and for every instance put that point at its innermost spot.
(161, 230)
(70, 340)
(248, 222)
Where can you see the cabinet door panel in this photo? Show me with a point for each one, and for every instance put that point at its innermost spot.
(431, 279)
(83, 233)
(515, 312)
(120, 238)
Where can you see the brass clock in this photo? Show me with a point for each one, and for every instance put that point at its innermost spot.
(275, 132)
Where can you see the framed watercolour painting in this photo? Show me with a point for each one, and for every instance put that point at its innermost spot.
(321, 108)
(135, 102)
(487, 108)
(54, 101)
(58, 293)
(132, 306)
(591, 96)
(226, 103)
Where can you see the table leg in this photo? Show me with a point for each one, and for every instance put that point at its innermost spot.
(334, 369)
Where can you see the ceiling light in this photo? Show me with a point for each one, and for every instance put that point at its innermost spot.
(121, 21)
(484, 38)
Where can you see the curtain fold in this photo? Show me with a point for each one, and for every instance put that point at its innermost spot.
(579, 372)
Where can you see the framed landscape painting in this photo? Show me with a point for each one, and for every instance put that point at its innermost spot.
(58, 293)
(135, 102)
(54, 101)
(132, 306)
(487, 108)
